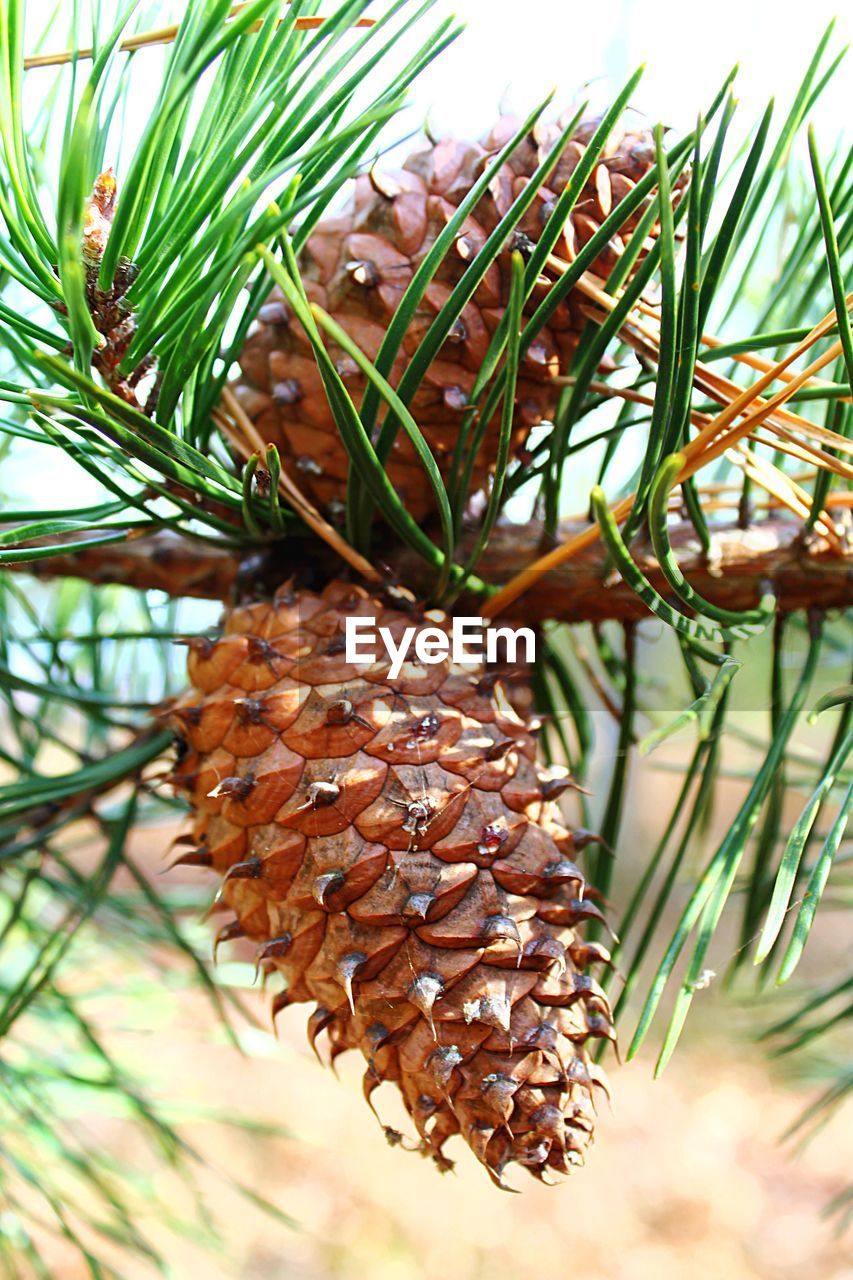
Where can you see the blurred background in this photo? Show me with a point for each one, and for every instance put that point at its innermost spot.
(514, 53)
(691, 1175)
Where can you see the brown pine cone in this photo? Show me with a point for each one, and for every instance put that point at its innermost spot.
(356, 267)
(397, 855)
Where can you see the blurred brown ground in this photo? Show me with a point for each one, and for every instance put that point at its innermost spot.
(687, 1179)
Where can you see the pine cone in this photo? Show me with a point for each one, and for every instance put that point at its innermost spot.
(357, 266)
(396, 854)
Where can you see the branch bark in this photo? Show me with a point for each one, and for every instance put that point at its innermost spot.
(157, 562)
(735, 574)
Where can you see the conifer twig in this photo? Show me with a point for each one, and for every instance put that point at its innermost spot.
(577, 590)
(715, 438)
(164, 35)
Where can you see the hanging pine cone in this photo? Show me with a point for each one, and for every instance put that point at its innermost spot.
(357, 266)
(395, 853)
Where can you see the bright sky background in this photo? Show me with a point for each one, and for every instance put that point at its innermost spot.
(514, 51)
(518, 49)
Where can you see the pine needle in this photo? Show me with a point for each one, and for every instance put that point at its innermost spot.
(246, 438)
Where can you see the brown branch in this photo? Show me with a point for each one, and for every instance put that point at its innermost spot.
(742, 562)
(157, 562)
(165, 35)
(734, 576)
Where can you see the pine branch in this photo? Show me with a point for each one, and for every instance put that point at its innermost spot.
(163, 35)
(162, 561)
(195, 504)
(735, 574)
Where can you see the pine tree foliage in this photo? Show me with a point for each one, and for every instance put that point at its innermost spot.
(732, 388)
